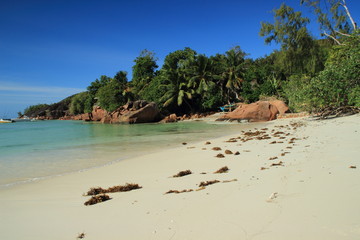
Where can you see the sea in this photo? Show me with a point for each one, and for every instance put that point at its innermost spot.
(31, 151)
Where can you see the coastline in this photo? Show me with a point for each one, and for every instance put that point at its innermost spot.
(312, 194)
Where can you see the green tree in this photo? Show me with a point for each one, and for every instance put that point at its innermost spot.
(111, 96)
(337, 85)
(335, 19)
(77, 105)
(300, 53)
(177, 89)
(234, 71)
(144, 72)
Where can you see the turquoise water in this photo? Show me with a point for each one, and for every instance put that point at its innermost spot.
(34, 150)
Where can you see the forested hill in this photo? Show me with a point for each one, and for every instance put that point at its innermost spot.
(305, 72)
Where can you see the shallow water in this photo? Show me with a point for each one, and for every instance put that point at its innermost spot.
(33, 150)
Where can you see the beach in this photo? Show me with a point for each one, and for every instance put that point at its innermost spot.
(291, 179)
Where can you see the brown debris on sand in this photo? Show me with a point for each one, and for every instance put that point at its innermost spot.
(207, 143)
(184, 143)
(220, 155)
(222, 170)
(231, 140)
(120, 188)
(182, 173)
(81, 236)
(263, 168)
(216, 148)
(273, 158)
(277, 164)
(207, 183)
(333, 112)
(177, 191)
(352, 166)
(228, 151)
(283, 154)
(237, 153)
(97, 199)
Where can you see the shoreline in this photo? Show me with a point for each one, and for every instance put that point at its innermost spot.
(86, 157)
(299, 198)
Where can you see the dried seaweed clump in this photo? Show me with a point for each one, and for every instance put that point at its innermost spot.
(222, 170)
(95, 191)
(220, 155)
(124, 188)
(97, 199)
(177, 191)
(231, 140)
(81, 236)
(277, 164)
(182, 173)
(207, 183)
(216, 148)
(228, 151)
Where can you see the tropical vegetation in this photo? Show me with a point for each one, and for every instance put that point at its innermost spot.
(306, 72)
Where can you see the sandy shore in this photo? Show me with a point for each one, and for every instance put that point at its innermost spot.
(310, 190)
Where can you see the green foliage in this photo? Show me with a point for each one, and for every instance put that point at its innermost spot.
(337, 85)
(297, 91)
(213, 100)
(354, 96)
(177, 92)
(300, 53)
(77, 105)
(233, 75)
(111, 95)
(154, 91)
(35, 108)
(143, 72)
(97, 84)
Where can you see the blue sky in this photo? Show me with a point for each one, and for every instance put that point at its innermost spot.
(52, 49)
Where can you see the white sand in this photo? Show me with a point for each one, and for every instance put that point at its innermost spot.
(315, 195)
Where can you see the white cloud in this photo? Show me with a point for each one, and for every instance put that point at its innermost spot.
(13, 87)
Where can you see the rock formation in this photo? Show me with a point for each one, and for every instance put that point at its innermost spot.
(256, 112)
(133, 112)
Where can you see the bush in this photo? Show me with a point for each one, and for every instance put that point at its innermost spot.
(77, 105)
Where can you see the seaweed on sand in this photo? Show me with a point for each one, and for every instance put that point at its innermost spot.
(125, 188)
(216, 148)
(231, 140)
(182, 173)
(222, 170)
(228, 151)
(177, 191)
(97, 199)
(220, 155)
(81, 236)
(121, 188)
(207, 183)
(277, 164)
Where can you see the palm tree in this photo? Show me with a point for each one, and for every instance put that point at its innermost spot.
(200, 75)
(234, 71)
(177, 90)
